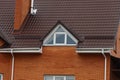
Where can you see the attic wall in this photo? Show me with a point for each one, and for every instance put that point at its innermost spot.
(60, 61)
(21, 10)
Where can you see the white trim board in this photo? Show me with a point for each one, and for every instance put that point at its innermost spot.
(93, 50)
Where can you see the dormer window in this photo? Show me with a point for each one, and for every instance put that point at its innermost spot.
(60, 36)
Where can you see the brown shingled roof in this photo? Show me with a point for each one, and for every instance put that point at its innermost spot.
(26, 43)
(96, 21)
(85, 18)
(7, 20)
(4, 37)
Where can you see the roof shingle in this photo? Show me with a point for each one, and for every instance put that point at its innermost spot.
(87, 18)
(94, 20)
(7, 20)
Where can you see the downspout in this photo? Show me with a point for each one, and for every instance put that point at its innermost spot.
(33, 10)
(105, 65)
(32, 2)
(12, 72)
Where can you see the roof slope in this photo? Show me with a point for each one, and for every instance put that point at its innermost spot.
(7, 20)
(5, 37)
(96, 21)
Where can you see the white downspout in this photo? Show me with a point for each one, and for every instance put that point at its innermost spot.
(33, 11)
(32, 2)
(105, 65)
(12, 72)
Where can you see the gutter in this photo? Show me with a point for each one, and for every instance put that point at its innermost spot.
(21, 50)
(93, 50)
(97, 50)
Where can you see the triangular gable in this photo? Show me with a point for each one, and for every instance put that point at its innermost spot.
(60, 36)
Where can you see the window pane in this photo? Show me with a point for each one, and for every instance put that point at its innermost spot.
(70, 78)
(60, 30)
(1, 76)
(70, 41)
(60, 38)
(48, 77)
(59, 78)
(50, 41)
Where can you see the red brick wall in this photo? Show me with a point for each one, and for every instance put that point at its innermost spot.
(5, 66)
(21, 10)
(60, 60)
(5, 63)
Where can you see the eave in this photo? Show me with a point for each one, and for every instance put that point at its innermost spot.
(21, 50)
(93, 50)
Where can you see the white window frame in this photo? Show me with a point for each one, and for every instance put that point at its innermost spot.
(1, 76)
(54, 40)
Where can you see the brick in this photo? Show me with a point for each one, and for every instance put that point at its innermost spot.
(60, 61)
(21, 10)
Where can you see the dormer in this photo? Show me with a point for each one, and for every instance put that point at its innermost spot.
(60, 36)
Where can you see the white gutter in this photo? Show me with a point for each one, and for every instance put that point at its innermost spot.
(33, 11)
(21, 50)
(93, 50)
(97, 50)
(13, 61)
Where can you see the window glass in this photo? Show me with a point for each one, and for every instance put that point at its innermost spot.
(70, 41)
(1, 76)
(48, 77)
(50, 41)
(70, 78)
(59, 78)
(60, 30)
(60, 38)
